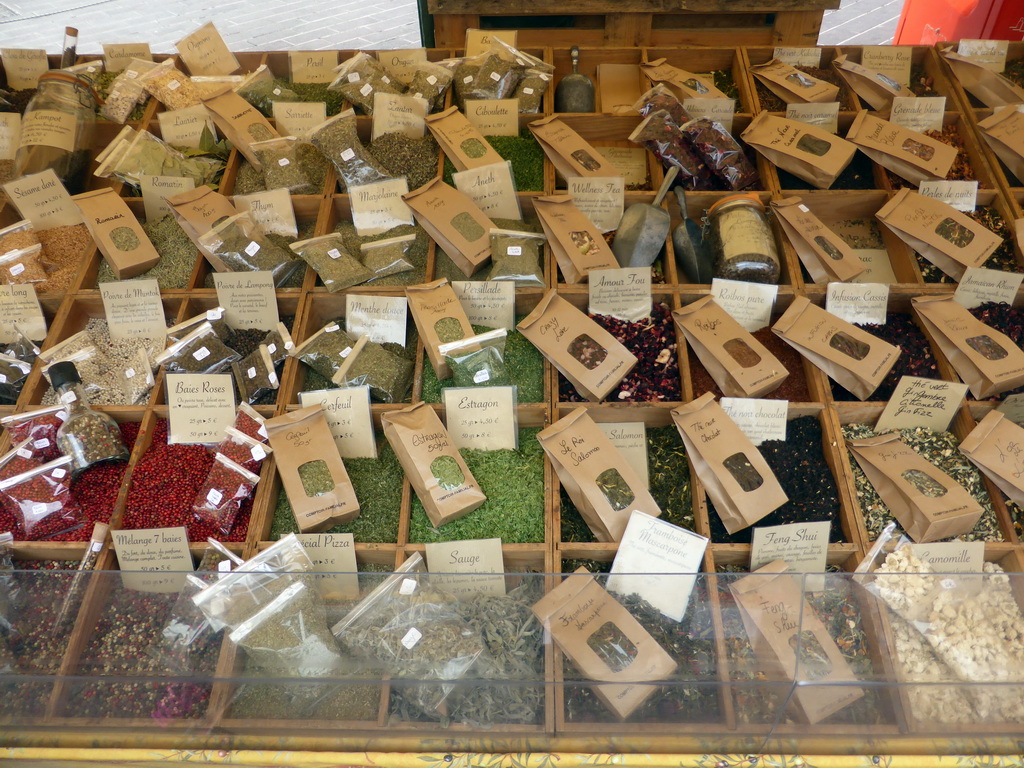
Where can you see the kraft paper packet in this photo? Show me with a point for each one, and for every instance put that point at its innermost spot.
(197, 210)
(1004, 133)
(909, 154)
(117, 232)
(825, 255)
(239, 122)
(456, 224)
(996, 447)
(604, 642)
(569, 152)
(459, 139)
(928, 504)
(576, 242)
(735, 475)
(439, 318)
(816, 156)
(778, 621)
(853, 357)
(582, 351)
(435, 468)
(948, 238)
(740, 365)
(602, 484)
(875, 88)
(311, 469)
(988, 87)
(686, 84)
(791, 85)
(986, 360)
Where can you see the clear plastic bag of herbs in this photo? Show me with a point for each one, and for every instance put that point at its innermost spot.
(282, 167)
(215, 317)
(279, 343)
(171, 87)
(255, 375)
(478, 361)
(325, 350)
(516, 256)
(41, 499)
(496, 78)
(339, 142)
(239, 245)
(330, 259)
(431, 82)
(126, 92)
(531, 89)
(388, 375)
(137, 378)
(262, 89)
(388, 257)
(359, 78)
(201, 351)
(134, 154)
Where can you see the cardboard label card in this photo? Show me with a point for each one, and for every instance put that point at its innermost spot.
(494, 117)
(248, 299)
(272, 211)
(184, 127)
(650, 558)
(205, 52)
(962, 195)
(758, 419)
(719, 110)
(19, 305)
(749, 304)
(491, 304)
(630, 437)
(349, 417)
(877, 267)
(858, 303)
(621, 293)
(382, 318)
(312, 66)
(990, 54)
(479, 40)
(492, 189)
(918, 402)
(629, 162)
(601, 198)
(952, 556)
(393, 113)
(334, 554)
(799, 57)
(482, 417)
(200, 406)
(117, 56)
(918, 114)
(979, 285)
(42, 199)
(48, 128)
(891, 60)
(134, 310)
(403, 63)
(478, 563)
(804, 546)
(10, 134)
(23, 66)
(153, 559)
(379, 207)
(298, 118)
(824, 116)
(155, 190)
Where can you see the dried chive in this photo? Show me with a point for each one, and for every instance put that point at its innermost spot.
(523, 152)
(318, 92)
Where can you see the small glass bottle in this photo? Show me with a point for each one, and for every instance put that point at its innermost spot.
(742, 240)
(87, 436)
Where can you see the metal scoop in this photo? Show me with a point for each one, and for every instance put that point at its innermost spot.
(575, 92)
(643, 229)
(692, 253)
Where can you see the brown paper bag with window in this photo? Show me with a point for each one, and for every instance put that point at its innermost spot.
(996, 447)
(816, 156)
(927, 503)
(240, 122)
(313, 474)
(577, 244)
(453, 220)
(790, 641)
(909, 154)
(598, 479)
(459, 139)
(734, 473)
(851, 356)
(986, 360)
(988, 87)
(793, 86)
(118, 234)
(825, 255)
(876, 88)
(740, 365)
(439, 318)
(604, 642)
(429, 458)
(1004, 132)
(569, 152)
(687, 84)
(582, 351)
(197, 211)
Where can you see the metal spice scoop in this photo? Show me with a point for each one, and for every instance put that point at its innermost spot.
(575, 92)
(692, 253)
(643, 229)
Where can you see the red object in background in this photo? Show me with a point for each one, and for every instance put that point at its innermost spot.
(926, 22)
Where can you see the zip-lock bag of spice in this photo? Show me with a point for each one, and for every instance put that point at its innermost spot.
(281, 167)
(41, 499)
(325, 350)
(21, 234)
(170, 86)
(478, 361)
(516, 256)
(359, 78)
(215, 317)
(740, 365)
(988, 446)
(790, 643)
(262, 89)
(662, 137)
(118, 234)
(430, 460)
(17, 460)
(249, 422)
(255, 375)
(793, 86)
(21, 346)
(201, 351)
(928, 504)
(909, 154)
(238, 245)
(579, 247)
(23, 266)
(582, 351)
(337, 139)
(1004, 133)
(988, 361)
(660, 97)
(137, 378)
(279, 343)
(688, 84)
(388, 257)
(221, 496)
(331, 260)
(948, 238)
(460, 140)
(496, 78)
(720, 153)
(601, 483)
(876, 88)
(464, 69)
(389, 376)
(311, 470)
(531, 89)
(826, 256)
(126, 92)
(734, 474)
(569, 152)
(990, 88)
(239, 122)
(135, 153)
(243, 449)
(13, 373)
(808, 152)
(604, 641)
(38, 427)
(439, 318)
(430, 82)
(455, 223)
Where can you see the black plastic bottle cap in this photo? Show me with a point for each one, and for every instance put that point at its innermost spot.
(63, 373)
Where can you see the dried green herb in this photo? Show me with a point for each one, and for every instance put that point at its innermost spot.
(523, 152)
(316, 478)
(264, 92)
(401, 155)
(445, 267)
(484, 367)
(416, 253)
(448, 329)
(387, 374)
(313, 92)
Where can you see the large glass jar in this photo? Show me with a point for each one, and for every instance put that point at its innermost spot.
(56, 131)
(742, 240)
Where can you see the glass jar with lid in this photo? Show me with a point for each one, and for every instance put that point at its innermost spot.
(742, 241)
(89, 437)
